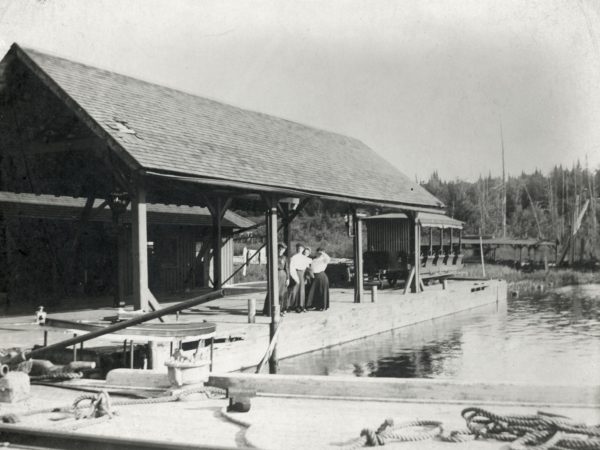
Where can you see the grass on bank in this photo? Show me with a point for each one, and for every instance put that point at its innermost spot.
(536, 280)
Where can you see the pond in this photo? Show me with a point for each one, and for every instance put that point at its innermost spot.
(548, 339)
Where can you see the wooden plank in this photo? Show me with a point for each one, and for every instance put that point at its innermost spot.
(419, 389)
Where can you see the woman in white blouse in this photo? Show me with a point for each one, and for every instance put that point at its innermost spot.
(318, 295)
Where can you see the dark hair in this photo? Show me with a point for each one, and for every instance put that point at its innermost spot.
(320, 249)
(298, 245)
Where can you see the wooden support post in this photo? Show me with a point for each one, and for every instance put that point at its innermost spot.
(153, 353)
(373, 294)
(212, 350)
(140, 249)
(416, 286)
(251, 310)
(217, 207)
(272, 279)
(441, 240)
(74, 350)
(451, 241)
(481, 252)
(217, 240)
(287, 235)
(358, 258)
(121, 265)
(131, 350)
(430, 240)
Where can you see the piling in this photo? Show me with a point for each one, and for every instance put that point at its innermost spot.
(251, 310)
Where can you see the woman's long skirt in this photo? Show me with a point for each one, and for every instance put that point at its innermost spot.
(283, 294)
(318, 296)
(297, 294)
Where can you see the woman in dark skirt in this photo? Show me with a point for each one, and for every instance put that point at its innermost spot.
(318, 296)
(282, 278)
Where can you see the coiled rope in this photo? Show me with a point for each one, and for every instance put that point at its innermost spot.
(100, 406)
(542, 431)
(411, 431)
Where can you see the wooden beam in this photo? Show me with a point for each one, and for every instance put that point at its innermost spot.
(279, 190)
(358, 259)
(287, 235)
(121, 264)
(416, 286)
(140, 248)
(90, 144)
(272, 280)
(217, 207)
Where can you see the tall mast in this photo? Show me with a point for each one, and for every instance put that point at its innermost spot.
(503, 184)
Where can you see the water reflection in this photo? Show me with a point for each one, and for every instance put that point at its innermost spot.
(552, 339)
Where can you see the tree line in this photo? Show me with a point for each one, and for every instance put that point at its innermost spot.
(538, 205)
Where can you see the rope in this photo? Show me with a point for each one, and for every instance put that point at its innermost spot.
(542, 431)
(412, 431)
(100, 406)
(57, 376)
(532, 432)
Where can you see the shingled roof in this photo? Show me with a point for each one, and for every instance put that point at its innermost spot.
(166, 131)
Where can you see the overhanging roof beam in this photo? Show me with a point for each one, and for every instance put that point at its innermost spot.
(245, 186)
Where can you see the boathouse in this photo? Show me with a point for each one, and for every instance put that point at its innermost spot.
(71, 130)
(179, 247)
(392, 242)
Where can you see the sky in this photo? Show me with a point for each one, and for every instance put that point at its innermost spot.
(428, 84)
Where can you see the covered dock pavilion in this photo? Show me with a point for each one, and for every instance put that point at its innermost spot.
(69, 129)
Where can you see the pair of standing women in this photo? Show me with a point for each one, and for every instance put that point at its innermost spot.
(293, 294)
(317, 294)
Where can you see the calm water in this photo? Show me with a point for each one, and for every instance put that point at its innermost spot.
(554, 339)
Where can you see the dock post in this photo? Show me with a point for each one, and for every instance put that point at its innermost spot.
(272, 279)
(74, 350)
(131, 349)
(358, 262)
(416, 287)
(373, 294)
(251, 310)
(140, 248)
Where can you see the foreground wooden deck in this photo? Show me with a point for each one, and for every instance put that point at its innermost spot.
(299, 412)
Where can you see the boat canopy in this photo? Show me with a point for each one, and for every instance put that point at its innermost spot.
(425, 220)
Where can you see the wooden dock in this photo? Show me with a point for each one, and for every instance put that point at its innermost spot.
(316, 412)
(345, 321)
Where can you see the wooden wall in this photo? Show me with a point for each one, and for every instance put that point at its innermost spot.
(389, 235)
